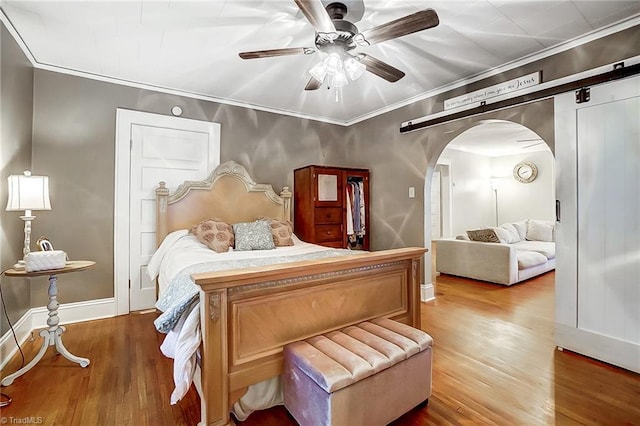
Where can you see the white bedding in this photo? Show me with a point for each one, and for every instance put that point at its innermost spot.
(181, 249)
(178, 251)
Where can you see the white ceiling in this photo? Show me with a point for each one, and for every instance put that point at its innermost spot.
(494, 138)
(193, 46)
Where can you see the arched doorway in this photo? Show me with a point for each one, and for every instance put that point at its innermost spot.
(471, 185)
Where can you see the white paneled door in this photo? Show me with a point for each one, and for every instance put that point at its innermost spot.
(160, 148)
(609, 217)
(598, 234)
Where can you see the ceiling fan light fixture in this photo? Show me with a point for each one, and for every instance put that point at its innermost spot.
(319, 71)
(333, 63)
(354, 68)
(338, 79)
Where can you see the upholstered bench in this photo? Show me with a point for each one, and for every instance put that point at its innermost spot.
(367, 374)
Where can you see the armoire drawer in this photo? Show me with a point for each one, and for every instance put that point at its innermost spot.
(328, 215)
(328, 233)
(332, 244)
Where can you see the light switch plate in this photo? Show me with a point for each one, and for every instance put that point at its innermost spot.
(412, 192)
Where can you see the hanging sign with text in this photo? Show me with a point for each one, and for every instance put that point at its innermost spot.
(510, 86)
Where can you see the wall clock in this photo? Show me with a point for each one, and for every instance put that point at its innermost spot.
(525, 172)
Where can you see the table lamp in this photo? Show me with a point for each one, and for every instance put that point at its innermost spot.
(28, 193)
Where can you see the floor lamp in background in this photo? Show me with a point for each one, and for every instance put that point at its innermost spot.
(27, 193)
(495, 185)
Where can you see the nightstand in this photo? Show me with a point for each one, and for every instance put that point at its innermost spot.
(53, 335)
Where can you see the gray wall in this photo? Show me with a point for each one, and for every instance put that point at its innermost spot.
(398, 161)
(74, 143)
(16, 100)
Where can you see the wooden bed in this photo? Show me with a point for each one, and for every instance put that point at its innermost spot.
(249, 315)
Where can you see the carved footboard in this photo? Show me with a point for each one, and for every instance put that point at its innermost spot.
(249, 315)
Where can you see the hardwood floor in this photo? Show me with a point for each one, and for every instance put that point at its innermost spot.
(494, 363)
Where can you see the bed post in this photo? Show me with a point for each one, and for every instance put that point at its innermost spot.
(286, 198)
(162, 195)
(214, 403)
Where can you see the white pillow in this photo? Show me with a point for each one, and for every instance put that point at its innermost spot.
(502, 234)
(512, 234)
(521, 227)
(539, 230)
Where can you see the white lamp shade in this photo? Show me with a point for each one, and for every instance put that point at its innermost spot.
(28, 192)
(319, 71)
(354, 68)
(339, 79)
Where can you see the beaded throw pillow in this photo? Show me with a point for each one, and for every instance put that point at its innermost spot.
(253, 235)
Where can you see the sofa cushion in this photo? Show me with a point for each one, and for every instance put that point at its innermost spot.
(528, 259)
(547, 249)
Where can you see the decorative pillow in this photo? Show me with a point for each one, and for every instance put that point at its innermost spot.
(281, 230)
(253, 235)
(502, 234)
(539, 230)
(512, 234)
(463, 237)
(486, 235)
(521, 227)
(215, 234)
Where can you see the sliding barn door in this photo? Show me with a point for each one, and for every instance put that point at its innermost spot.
(605, 228)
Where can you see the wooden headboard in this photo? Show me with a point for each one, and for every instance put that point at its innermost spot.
(229, 193)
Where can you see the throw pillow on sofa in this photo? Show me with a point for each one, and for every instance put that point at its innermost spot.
(539, 230)
(521, 227)
(508, 234)
(485, 235)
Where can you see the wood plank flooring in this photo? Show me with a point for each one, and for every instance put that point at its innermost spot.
(494, 364)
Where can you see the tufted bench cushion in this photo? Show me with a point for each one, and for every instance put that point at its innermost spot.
(370, 373)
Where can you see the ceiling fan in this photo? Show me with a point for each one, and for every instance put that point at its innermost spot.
(336, 38)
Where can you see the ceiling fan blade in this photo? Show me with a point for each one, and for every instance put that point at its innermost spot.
(379, 68)
(409, 24)
(532, 145)
(276, 52)
(313, 84)
(317, 15)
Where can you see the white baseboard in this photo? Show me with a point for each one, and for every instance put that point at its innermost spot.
(427, 292)
(36, 318)
(8, 346)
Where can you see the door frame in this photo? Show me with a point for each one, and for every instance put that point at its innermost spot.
(125, 118)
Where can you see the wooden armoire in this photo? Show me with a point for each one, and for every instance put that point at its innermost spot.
(322, 197)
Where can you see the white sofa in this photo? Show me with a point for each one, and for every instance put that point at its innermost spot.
(516, 256)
